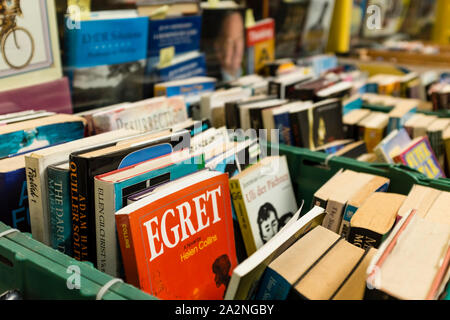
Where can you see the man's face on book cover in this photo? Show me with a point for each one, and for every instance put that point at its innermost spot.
(230, 44)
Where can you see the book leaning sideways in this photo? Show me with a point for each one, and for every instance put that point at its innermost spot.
(178, 242)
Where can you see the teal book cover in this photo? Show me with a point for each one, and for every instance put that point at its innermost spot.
(40, 137)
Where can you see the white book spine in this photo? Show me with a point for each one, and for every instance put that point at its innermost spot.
(37, 199)
(105, 228)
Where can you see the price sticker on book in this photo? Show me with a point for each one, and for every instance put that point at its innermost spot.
(79, 9)
(166, 56)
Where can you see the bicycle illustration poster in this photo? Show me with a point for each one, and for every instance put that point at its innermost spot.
(25, 42)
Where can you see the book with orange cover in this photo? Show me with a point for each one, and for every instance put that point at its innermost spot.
(178, 242)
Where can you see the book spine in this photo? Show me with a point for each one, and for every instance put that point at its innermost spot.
(283, 124)
(364, 238)
(275, 89)
(105, 226)
(127, 249)
(37, 199)
(295, 127)
(59, 210)
(345, 224)
(319, 202)
(273, 286)
(333, 218)
(241, 212)
(78, 206)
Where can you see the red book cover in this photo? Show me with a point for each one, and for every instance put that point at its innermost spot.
(260, 43)
(181, 245)
(419, 155)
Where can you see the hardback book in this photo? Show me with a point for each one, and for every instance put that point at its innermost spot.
(284, 84)
(35, 134)
(412, 122)
(320, 254)
(420, 198)
(52, 96)
(299, 120)
(339, 196)
(234, 114)
(253, 120)
(373, 129)
(212, 105)
(264, 200)
(278, 119)
(435, 135)
(89, 116)
(37, 181)
(375, 184)
(182, 66)
(288, 34)
(36, 59)
(373, 221)
(325, 123)
(419, 155)
(13, 186)
(246, 276)
(178, 242)
(255, 113)
(403, 111)
(412, 264)
(317, 26)
(58, 189)
(391, 145)
(181, 32)
(105, 58)
(420, 128)
(307, 90)
(192, 89)
(86, 164)
(112, 189)
(223, 39)
(321, 196)
(147, 115)
(260, 45)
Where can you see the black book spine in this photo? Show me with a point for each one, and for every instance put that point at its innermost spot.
(233, 120)
(364, 238)
(78, 200)
(295, 128)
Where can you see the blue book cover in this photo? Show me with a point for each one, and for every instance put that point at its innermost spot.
(106, 42)
(272, 286)
(59, 208)
(19, 142)
(283, 124)
(396, 141)
(183, 33)
(15, 211)
(189, 68)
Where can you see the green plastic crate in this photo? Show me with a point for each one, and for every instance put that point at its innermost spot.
(309, 170)
(387, 109)
(40, 272)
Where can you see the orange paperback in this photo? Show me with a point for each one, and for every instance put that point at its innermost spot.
(180, 246)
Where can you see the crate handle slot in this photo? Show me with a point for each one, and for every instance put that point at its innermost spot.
(6, 261)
